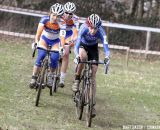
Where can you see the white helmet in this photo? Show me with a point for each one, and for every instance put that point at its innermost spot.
(94, 20)
(69, 7)
(57, 9)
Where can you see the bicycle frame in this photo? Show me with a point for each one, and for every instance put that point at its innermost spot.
(85, 95)
(47, 59)
(42, 76)
(87, 77)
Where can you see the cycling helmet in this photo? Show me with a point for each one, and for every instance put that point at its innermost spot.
(69, 7)
(94, 21)
(57, 9)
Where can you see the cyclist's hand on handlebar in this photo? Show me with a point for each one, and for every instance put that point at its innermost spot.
(77, 59)
(61, 51)
(34, 45)
(71, 43)
(106, 60)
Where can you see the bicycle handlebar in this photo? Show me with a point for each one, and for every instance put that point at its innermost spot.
(48, 50)
(97, 62)
(92, 62)
(107, 66)
(34, 50)
(33, 53)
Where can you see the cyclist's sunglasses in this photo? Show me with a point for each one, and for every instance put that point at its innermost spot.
(69, 13)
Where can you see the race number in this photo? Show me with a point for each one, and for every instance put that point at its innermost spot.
(62, 33)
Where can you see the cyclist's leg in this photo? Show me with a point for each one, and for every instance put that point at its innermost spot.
(65, 59)
(94, 56)
(83, 57)
(64, 67)
(54, 57)
(37, 66)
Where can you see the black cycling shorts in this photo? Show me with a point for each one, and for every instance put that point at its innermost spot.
(92, 51)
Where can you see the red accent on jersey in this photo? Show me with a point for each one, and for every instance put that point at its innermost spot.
(53, 26)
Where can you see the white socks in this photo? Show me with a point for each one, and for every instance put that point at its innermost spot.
(62, 77)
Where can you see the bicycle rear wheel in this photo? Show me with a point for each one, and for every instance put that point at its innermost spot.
(42, 75)
(55, 80)
(89, 108)
(55, 85)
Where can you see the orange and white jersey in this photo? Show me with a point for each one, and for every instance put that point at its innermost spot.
(51, 30)
(68, 25)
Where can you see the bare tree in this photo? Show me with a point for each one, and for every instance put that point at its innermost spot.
(140, 9)
(19, 3)
(1, 1)
(134, 7)
(145, 8)
(154, 8)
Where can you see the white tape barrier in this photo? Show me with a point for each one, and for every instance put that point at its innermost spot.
(132, 50)
(82, 19)
(22, 11)
(23, 35)
(116, 47)
(17, 34)
(138, 28)
(145, 52)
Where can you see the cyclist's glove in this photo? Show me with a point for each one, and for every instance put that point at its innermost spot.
(71, 43)
(107, 62)
(77, 59)
(61, 51)
(106, 59)
(34, 45)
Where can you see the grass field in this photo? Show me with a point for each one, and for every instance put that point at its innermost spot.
(126, 96)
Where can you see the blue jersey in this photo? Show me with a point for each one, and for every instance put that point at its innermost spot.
(86, 38)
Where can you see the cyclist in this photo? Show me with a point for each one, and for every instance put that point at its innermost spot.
(69, 28)
(86, 48)
(47, 34)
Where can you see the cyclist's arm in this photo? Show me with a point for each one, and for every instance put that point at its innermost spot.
(75, 28)
(75, 34)
(62, 32)
(40, 28)
(78, 41)
(39, 32)
(104, 41)
(62, 36)
(77, 45)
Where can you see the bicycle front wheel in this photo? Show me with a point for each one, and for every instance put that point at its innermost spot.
(42, 75)
(89, 108)
(80, 103)
(55, 82)
(55, 85)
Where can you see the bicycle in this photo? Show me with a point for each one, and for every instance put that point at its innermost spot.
(84, 97)
(42, 76)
